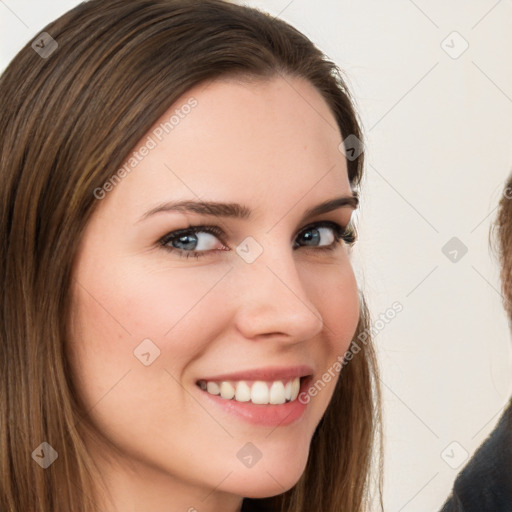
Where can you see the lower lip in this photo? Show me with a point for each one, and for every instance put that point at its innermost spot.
(268, 414)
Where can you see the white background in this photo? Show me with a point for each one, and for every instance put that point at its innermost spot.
(439, 148)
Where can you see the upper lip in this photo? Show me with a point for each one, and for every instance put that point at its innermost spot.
(265, 374)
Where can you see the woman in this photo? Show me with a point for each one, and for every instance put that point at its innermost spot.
(178, 295)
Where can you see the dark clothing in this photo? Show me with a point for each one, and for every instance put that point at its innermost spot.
(485, 483)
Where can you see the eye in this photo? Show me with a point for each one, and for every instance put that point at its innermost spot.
(331, 232)
(192, 241)
(198, 241)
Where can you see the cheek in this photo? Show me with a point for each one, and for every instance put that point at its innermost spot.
(133, 303)
(115, 312)
(337, 299)
(349, 307)
(336, 296)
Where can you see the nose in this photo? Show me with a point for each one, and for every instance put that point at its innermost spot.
(272, 300)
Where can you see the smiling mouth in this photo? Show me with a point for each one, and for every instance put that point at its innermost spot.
(258, 392)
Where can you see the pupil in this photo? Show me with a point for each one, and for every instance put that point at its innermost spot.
(314, 237)
(183, 239)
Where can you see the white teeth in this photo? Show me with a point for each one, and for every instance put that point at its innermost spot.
(295, 389)
(243, 392)
(260, 392)
(213, 388)
(227, 390)
(277, 393)
(288, 390)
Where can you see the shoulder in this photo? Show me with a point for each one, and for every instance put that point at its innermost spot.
(485, 483)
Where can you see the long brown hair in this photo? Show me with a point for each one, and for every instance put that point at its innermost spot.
(69, 119)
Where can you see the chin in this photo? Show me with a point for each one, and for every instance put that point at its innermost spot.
(270, 480)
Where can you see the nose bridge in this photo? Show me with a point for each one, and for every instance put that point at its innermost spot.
(272, 298)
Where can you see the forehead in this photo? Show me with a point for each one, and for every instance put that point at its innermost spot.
(264, 141)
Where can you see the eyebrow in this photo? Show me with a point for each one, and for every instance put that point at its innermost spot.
(238, 211)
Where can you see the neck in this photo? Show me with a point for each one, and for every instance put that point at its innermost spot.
(148, 488)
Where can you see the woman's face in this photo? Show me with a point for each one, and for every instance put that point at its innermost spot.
(269, 298)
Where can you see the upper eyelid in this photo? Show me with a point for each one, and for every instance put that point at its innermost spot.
(199, 227)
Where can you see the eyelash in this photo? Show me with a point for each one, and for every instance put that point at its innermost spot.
(348, 235)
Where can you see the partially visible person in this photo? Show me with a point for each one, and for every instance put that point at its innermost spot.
(485, 483)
